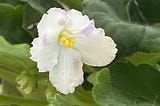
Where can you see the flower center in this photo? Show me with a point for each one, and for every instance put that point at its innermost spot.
(67, 39)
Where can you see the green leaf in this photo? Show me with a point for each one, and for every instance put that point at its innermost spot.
(10, 89)
(13, 2)
(144, 11)
(157, 25)
(90, 69)
(11, 100)
(102, 8)
(4, 73)
(11, 24)
(14, 59)
(72, 4)
(134, 13)
(125, 1)
(81, 97)
(31, 17)
(126, 85)
(58, 100)
(102, 91)
(128, 37)
(137, 83)
(42, 5)
(144, 58)
(119, 7)
(0, 88)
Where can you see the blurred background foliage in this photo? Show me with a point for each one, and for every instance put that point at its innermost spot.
(133, 79)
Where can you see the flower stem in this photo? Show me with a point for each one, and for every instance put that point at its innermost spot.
(8, 100)
(63, 5)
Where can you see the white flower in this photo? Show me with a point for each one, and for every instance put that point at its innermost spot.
(66, 40)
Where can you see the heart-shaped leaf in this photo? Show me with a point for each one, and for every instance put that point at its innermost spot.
(128, 37)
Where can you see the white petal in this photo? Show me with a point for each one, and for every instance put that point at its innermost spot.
(50, 24)
(88, 29)
(45, 52)
(67, 74)
(75, 20)
(96, 49)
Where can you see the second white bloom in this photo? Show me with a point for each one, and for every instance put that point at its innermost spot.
(67, 39)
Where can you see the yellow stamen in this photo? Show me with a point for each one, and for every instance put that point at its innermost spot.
(62, 39)
(72, 40)
(70, 44)
(66, 43)
(66, 39)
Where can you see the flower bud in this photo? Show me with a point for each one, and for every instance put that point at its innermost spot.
(26, 82)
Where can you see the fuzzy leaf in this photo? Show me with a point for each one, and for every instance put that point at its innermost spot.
(14, 59)
(13, 2)
(11, 24)
(128, 37)
(126, 85)
(42, 5)
(31, 17)
(119, 7)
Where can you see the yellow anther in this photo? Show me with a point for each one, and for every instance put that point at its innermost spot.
(72, 40)
(62, 39)
(70, 44)
(66, 43)
(66, 38)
